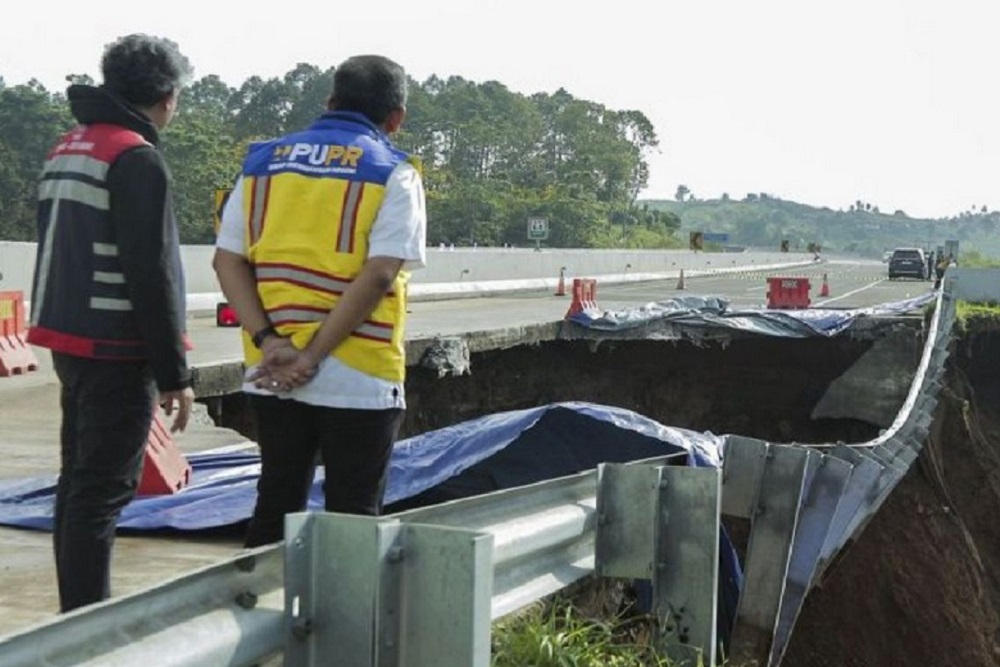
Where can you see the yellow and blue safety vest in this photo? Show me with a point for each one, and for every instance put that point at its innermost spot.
(309, 202)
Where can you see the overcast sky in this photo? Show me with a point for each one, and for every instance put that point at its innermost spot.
(891, 102)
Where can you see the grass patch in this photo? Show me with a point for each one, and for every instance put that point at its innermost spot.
(974, 259)
(970, 315)
(556, 634)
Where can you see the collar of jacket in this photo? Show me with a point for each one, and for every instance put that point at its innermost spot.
(338, 118)
(97, 104)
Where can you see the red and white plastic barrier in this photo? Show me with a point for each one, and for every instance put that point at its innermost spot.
(16, 356)
(584, 296)
(165, 469)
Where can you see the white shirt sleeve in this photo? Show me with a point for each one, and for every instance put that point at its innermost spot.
(231, 228)
(400, 229)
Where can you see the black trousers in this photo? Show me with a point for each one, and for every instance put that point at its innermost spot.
(354, 446)
(107, 408)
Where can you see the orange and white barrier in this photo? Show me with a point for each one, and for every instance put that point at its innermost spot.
(584, 296)
(561, 286)
(165, 469)
(16, 356)
(825, 289)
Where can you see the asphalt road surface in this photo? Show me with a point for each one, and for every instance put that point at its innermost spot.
(851, 284)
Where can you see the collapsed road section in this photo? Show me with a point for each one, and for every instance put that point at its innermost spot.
(809, 390)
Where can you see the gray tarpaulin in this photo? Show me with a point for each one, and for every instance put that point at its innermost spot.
(711, 313)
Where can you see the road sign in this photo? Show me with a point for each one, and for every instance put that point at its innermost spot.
(221, 197)
(716, 237)
(538, 229)
(696, 240)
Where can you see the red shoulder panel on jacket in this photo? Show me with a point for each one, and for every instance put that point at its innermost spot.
(100, 141)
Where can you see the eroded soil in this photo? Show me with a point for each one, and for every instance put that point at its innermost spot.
(921, 585)
(760, 387)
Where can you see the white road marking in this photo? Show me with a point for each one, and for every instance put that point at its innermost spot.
(851, 293)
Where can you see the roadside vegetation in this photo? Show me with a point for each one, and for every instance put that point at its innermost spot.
(977, 316)
(975, 259)
(492, 158)
(557, 634)
(860, 228)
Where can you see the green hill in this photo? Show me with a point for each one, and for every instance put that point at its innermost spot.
(761, 220)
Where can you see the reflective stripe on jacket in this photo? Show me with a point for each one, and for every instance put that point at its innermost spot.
(80, 302)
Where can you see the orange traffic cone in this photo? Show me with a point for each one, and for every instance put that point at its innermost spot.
(561, 287)
(680, 281)
(825, 289)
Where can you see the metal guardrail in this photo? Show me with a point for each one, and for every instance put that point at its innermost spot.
(421, 588)
(821, 505)
(227, 614)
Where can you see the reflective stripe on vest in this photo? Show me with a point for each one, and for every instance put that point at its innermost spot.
(349, 217)
(303, 277)
(370, 329)
(323, 282)
(258, 206)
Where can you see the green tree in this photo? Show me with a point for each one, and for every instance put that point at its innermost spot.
(203, 158)
(80, 79)
(210, 98)
(492, 158)
(310, 88)
(31, 121)
(260, 108)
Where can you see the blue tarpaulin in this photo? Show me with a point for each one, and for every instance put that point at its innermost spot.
(498, 451)
(477, 456)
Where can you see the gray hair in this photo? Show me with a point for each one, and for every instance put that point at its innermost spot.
(144, 69)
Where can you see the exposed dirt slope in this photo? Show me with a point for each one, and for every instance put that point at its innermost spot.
(921, 585)
(761, 387)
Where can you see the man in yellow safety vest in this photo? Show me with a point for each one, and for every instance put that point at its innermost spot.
(314, 250)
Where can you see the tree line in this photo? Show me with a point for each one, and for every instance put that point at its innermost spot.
(765, 220)
(493, 158)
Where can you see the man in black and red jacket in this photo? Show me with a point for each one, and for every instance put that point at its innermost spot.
(108, 299)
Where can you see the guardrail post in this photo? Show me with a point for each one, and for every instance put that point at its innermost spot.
(443, 600)
(368, 591)
(773, 527)
(332, 565)
(858, 494)
(686, 575)
(743, 462)
(827, 479)
(626, 514)
(662, 523)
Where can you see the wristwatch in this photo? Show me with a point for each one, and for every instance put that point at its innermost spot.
(258, 338)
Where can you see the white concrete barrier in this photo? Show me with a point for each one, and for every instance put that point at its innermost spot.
(466, 272)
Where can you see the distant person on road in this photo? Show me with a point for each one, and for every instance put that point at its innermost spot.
(108, 299)
(930, 264)
(313, 252)
(942, 266)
